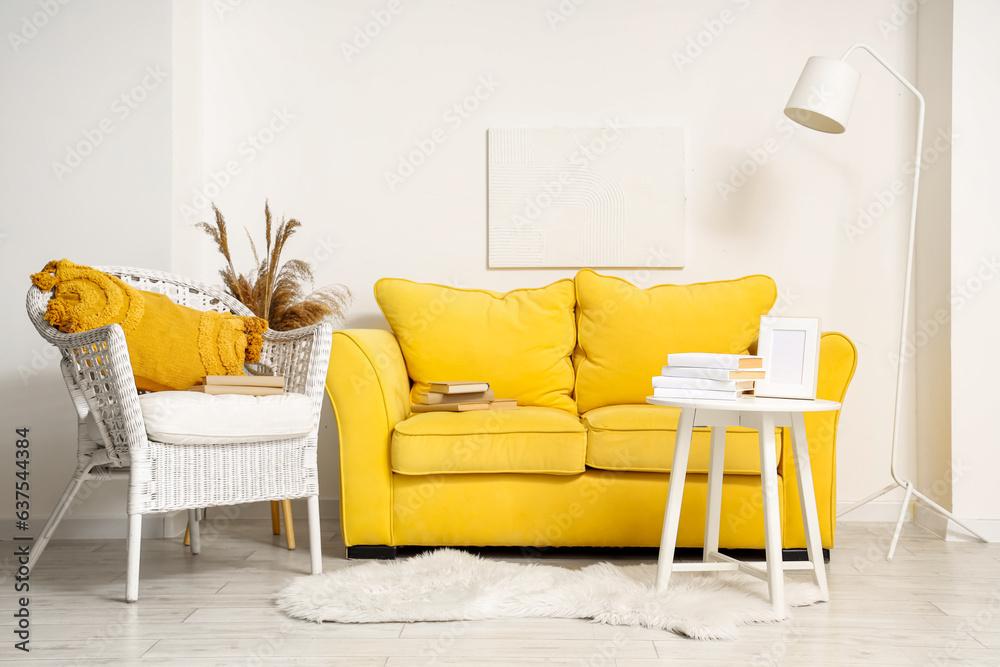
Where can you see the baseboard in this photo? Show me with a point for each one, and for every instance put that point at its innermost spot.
(988, 528)
(927, 518)
(169, 524)
(102, 528)
(875, 511)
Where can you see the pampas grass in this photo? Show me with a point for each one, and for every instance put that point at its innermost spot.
(274, 291)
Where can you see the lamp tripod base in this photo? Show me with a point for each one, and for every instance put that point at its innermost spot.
(910, 492)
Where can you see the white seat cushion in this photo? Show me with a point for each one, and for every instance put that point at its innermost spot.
(193, 418)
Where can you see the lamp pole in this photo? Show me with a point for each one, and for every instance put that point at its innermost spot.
(812, 115)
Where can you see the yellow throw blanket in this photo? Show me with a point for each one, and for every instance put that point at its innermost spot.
(171, 346)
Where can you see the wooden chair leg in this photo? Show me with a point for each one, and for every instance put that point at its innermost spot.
(187, 535)
(275, 517)
(286, 507)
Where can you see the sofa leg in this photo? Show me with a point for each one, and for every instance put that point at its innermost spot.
(802, 554)
(375, 551)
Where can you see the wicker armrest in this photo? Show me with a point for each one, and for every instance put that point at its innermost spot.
(99, 379)
(302, 356)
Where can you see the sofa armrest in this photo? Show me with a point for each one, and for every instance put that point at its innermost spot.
(369, 389)
(837, 360)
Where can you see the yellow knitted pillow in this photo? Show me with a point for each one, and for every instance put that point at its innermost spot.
(170, 346)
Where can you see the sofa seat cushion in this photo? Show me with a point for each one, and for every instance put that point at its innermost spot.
(641, 438)
(527, 440)
(193, 418)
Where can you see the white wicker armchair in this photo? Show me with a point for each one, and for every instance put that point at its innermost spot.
(164, 477)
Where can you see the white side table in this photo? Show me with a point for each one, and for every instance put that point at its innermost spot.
(762, 414)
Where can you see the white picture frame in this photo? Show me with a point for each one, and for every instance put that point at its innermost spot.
(790, 347)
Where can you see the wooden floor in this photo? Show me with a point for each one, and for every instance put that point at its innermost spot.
(938, 603)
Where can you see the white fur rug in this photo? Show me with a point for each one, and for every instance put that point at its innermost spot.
(452, 585)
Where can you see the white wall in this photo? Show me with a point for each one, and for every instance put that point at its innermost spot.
(352, 121)
(63, 82)
(329, 129)
(975, 246)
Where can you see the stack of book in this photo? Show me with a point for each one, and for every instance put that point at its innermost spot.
(461, 396)
(254, 385)
(712, 376)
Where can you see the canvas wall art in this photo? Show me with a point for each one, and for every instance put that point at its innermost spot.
(607, 197)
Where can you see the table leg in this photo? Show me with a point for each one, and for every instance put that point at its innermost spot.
(713, 504)
(675, 495)
(772, 514)
(807, 502)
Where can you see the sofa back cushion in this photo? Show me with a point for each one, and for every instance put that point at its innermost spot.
(625, 333)
(520, 342)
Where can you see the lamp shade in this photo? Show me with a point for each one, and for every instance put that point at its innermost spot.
(824, 95)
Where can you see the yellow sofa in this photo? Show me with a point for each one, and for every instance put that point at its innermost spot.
(584, 461)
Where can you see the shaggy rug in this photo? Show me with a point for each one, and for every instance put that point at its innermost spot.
(452, 585)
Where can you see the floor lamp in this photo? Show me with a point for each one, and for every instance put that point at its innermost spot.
(822, 101)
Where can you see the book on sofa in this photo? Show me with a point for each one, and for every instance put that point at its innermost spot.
(493, 404)
(462, 396)
(459, 387)
(450, 407)
(435, 397)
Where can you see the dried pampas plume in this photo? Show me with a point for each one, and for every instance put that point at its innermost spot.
(274, 291)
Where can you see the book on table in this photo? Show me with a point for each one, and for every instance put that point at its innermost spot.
(436, 397)
(459, 387)
(702, 383)
(711, 360)
(713, 394)
(711, 373)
